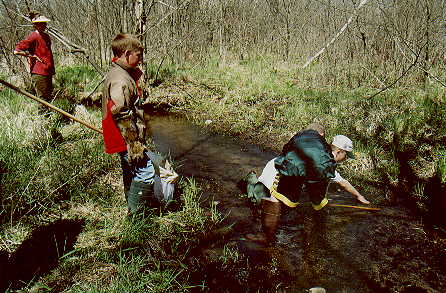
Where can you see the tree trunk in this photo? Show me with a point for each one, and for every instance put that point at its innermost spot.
(221, 35)
(140, 18)
(101, 42)
(427, 48)
(124, 19)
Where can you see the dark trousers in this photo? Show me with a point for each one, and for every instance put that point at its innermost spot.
(43, 85)
(292, 187)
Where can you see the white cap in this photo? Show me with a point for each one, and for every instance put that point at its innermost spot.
(344, 143)
(40, 18)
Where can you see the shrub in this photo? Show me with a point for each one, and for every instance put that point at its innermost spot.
(70, 80)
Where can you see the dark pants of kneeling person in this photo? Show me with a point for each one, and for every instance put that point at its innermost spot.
(292, 187)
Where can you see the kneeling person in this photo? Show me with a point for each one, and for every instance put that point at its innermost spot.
(306, 160)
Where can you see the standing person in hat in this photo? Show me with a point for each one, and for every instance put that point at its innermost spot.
(307, 161)
(37, 47)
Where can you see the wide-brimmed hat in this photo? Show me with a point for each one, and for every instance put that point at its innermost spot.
(344, 143)
(40, 18)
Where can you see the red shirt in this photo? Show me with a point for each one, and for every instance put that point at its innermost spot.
(38, 44)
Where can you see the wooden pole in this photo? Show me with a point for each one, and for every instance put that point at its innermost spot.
(353, 207)
(49, 105)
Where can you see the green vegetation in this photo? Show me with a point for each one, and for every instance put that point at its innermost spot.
(50, 167)
(442, 166)
(145, 253)
(71, 80)
(399, 134)
(157, 73)
(40, 166)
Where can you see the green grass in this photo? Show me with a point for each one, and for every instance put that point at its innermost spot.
(268, 101)
(159, 72)
(143, 253)
(70, 80)
(441, 155)
(46, 161)
(39, 165)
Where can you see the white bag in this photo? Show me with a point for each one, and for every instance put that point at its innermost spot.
(165, 178)
(168, 178)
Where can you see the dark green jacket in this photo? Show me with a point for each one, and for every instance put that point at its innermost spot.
(307, 155)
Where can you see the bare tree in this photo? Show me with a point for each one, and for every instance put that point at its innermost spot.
(365, 37)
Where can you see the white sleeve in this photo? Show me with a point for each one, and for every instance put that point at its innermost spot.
(338, 178)
(268, 174)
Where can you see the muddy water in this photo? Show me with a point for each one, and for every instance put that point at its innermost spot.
(339, 249)
(219, 162)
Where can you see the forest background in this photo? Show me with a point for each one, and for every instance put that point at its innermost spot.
(263, 69)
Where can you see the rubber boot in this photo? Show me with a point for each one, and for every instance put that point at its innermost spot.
(270, 222)
(139, 196)
(270, 219)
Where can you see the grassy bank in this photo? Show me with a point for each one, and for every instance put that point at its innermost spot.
(63, 216)
(41, 155)
(55, 177)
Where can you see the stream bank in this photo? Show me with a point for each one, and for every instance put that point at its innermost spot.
(340, 249)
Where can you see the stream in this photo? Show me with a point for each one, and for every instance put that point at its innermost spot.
(340, 249)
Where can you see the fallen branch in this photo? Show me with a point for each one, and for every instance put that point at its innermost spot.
(73, 48)
(64, 40)
(49, 105)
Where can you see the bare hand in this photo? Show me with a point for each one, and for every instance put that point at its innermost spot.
(136, 153)
(25, 54)
(36, 57)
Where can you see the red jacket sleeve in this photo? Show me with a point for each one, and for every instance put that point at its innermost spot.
(27, 44)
